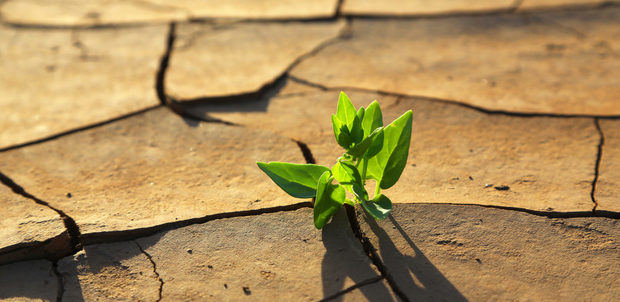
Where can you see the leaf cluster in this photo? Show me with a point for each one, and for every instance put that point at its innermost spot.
(372, 151)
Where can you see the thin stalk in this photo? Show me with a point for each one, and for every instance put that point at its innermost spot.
(364, 168)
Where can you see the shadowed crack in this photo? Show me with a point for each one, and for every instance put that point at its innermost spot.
(61, 282)
(417, 16)
(270, 88)
(516, 4)
(266, 92)
(61, 134)
(567, 7)
(70, 225)
(338, 12)
(576, 214)
(597, 165)
(447, 101)
(584, 228)
(163, 65)
(306, 152)
(161, 281)
(113, 236)
(577, 33)
(512, 9)
(352, 288)
(371, 252)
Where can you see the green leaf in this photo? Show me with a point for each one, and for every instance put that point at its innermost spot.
(298, 180)
(379, 207)
(346, 111)
(373, 118)
(343, 138)
(348, 176)
(359, 149)
(388, 164)
(356, 130)
(329, 198)
(347, 122)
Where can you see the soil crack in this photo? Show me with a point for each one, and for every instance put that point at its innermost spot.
(371, 252)
(306, 152)
(75, 238)
(575, 214)
(163, 65)
(269, 89)
(95, 125)
(343, 34)
(338, 12)
(161, 281)
(115, 236)
(577, 33)
(447, 101)
(352, 288)
(597, 165)
(61, 281)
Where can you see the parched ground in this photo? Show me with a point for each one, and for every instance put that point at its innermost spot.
(129, 132)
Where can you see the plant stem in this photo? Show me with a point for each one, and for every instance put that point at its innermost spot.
(377, 190)
(364, 168)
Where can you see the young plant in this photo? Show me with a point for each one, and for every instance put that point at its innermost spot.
(372, 152)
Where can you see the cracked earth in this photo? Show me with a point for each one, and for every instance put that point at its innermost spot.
(130, 131)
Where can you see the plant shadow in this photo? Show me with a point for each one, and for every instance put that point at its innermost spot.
(415, 275)
(257, 101)
(344, 258)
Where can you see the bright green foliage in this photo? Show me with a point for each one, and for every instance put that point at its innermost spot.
(387, 165)
(329, 199)
(297, 180)
(372, 152)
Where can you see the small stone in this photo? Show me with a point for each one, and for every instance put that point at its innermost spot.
(69, 195)
(246, 291)
(502, 188)
(189, 251)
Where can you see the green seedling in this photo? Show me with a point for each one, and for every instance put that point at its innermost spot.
(372, 152)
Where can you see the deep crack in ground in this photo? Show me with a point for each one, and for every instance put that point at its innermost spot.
(73, 230)
(371, 252)
(352, 288)
(61, 281)
(597, 165)
(446, 101)
(159, 279)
